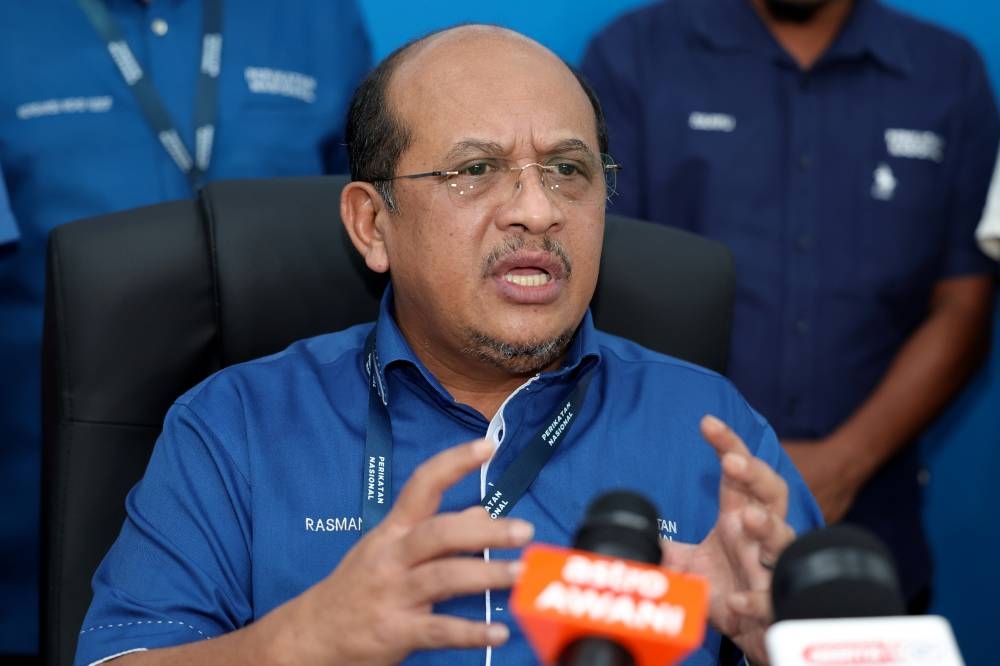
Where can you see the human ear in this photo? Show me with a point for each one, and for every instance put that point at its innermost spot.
(364, 215)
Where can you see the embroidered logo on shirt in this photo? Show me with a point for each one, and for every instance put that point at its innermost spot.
(668, 528)
(883, 183)
(267, 81)
(711, 122)
(333, 524)
(55, 107)
(914, 144)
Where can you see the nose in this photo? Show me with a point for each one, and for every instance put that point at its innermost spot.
(532, 205)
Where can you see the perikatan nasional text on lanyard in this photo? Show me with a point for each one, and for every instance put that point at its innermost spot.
(376, 487)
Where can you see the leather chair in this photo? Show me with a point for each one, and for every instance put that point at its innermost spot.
(143, 304)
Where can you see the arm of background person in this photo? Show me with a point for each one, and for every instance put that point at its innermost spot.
(8, 225)
(942, 353)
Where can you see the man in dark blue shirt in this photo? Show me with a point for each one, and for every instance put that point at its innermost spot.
(255, 89)
(263, 520)
(842, 150)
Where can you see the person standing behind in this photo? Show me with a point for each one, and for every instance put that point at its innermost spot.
(107, 105)
(843, 151)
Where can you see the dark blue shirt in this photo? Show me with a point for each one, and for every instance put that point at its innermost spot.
(845, 192)
(8, 225)
(255, 487)
(73, 144)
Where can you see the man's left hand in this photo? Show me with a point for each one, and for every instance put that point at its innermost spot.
(739, 553)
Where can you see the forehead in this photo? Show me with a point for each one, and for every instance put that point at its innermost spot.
(493, 87)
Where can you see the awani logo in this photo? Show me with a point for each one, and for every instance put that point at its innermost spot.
(864, 653)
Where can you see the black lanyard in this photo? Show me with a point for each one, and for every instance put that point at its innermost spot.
(149, 100)
(376, 491)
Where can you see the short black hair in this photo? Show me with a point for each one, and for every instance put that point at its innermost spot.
(377, 137)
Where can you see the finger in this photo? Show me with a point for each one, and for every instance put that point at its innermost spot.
(456, 576)
(429, 632)
(752, 606)
(770, 531)
(470, 531)
(420, 498)
(722, 438)
(756, 478)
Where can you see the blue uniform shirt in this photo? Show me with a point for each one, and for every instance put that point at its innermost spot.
(254, 489)
(845, 193)
(8, 225)
(73, 144)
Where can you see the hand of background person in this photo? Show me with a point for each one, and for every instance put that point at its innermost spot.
(831, 480)
(376, 606)
(738, 554)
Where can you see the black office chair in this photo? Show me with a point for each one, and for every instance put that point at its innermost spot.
(141, 305)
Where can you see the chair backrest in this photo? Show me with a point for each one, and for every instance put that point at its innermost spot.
(143, 304)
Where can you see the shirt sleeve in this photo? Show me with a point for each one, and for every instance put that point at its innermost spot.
(8, 225)
(610, 68)
(180, 570)
(977, 136)
(988, 231)
(353, 41)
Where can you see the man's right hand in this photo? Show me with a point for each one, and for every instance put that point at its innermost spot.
(376, 606)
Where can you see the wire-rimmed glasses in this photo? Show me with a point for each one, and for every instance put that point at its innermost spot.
(493, 181)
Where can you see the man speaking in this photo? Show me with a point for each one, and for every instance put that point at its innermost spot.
(312, 507)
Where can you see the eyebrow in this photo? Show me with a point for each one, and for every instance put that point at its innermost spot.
(468, 147)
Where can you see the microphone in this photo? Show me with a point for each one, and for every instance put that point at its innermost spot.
(837, 601)
(607, 602)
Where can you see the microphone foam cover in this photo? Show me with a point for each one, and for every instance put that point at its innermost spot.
(837, 571)
(621, 524)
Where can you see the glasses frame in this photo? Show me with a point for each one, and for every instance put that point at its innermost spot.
(607, 163)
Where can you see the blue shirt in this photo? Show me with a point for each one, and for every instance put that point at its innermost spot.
(254, 489)
(8, 225)
(73, 144)
(845, 192)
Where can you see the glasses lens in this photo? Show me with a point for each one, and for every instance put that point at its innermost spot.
(491, 183)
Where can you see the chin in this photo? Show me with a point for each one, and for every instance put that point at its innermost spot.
(519, 357)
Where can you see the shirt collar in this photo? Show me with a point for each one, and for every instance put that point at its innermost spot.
(391, 347)
(733, 25)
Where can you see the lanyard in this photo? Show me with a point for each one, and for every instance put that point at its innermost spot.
(149, 100)
(377, 483)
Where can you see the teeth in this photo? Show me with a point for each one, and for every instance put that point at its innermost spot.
(536, 280)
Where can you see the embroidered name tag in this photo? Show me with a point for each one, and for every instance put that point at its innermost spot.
(333, 523)
(267, 81)
(711, 122)
(55, 107)
(914, 144)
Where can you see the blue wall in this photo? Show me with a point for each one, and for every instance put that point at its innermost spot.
(963, 450)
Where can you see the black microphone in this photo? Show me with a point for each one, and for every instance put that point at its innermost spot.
(836, 572)
(837, 600)
(618, 524)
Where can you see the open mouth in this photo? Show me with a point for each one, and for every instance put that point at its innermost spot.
(528, 277)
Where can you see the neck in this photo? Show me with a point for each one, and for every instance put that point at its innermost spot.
(805, 42)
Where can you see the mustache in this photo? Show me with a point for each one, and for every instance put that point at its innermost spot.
(513, 244)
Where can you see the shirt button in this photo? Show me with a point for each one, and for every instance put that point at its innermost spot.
(801, 326)
(805, 161)
(804, 243)
(159, 27)
(804, 80)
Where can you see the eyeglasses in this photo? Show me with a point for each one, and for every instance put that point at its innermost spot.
(489, 181)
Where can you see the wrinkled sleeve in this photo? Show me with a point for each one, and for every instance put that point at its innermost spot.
(609, 67)
(180, 569)
(353, 56)
(975, 155)
(8, 225)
